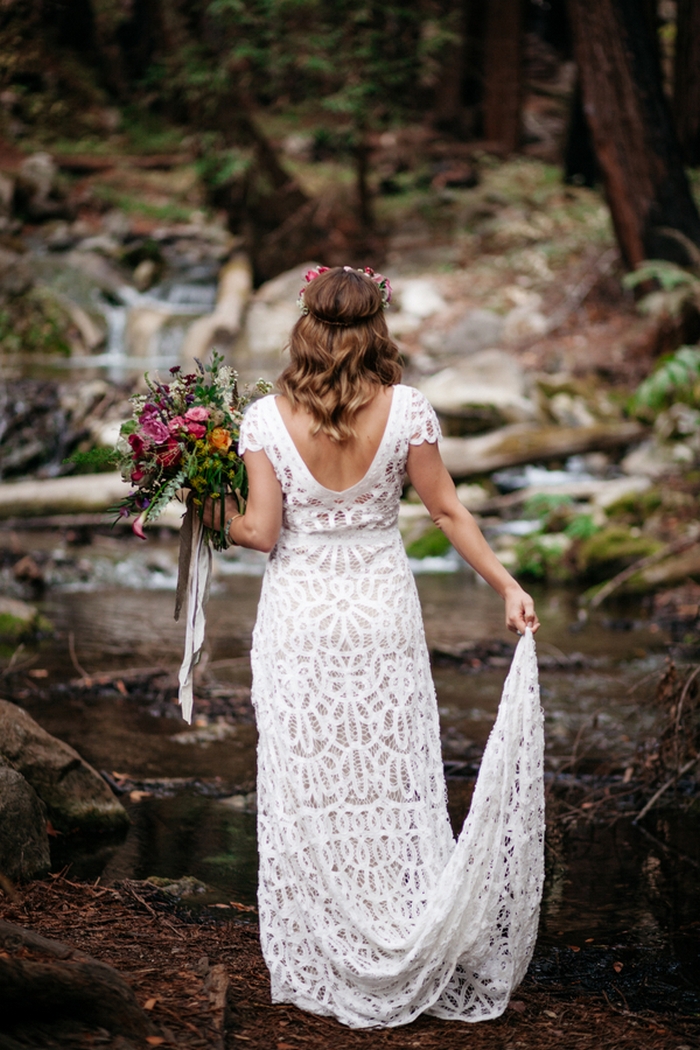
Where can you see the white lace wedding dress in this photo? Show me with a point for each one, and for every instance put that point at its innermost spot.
(369, 910)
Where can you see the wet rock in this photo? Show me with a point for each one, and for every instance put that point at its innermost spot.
(74, 794)
(19, 620)
(486, 390)
(185, 887)
(24, 843)
(477, 330)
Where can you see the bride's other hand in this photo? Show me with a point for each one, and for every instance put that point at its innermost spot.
(520, 611)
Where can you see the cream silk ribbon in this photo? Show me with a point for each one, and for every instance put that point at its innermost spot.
(193, 578)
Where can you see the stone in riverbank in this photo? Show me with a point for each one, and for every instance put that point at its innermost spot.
(19, 620)
(24, 844)
(74, 794)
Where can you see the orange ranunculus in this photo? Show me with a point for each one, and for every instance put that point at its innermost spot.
(220, 439)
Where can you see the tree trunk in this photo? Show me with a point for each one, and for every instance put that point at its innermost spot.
(633, 136)
(686, 91)
(503, 80)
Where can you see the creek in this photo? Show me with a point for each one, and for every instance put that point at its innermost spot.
(620, 893)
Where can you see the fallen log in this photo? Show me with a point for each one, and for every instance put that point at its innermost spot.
(70, 983)
(82, 493)
(527, 443)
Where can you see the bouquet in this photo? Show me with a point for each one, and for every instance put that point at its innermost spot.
(184, 435)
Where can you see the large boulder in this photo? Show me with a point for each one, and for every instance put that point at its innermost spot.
(485, 390)
(273, 313)
(74, 794)
(476, 330)
(24, 843)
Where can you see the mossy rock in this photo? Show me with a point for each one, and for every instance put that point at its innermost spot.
(432, 544)
(20, 621)
(636, 507)
(611, 550)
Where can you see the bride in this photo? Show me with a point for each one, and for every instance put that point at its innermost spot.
(370, 912)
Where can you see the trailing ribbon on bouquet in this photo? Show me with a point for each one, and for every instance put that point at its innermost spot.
(193, 578)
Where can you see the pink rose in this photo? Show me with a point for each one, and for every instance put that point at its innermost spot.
(197, 414)
(196, 430)
(155, 430)
(177, 423)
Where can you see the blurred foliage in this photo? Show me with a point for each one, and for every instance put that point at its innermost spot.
(432, 544)
(33, 323)
(676, 378)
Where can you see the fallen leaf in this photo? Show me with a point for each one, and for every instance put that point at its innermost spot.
(617, 966)
(50, 830)
(219, 906)
(589, 940)
(154, 1040)
(149, 1004)
(573, 947)
(549, 1013)
(137, 796)
(518, 1005)
(120, 687)
(587, 805)
(38, 672)
(285, 1046)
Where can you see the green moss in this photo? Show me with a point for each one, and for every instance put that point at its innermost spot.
(540, 557)
(432, 544)
(18, 628)
(611, 550)
(636, 507)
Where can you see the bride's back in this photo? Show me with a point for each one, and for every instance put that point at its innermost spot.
(339, 465)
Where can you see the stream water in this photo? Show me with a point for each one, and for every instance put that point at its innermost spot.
(631, 893)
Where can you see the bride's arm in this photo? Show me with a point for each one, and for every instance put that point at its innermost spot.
(430, 479)
(259, 527)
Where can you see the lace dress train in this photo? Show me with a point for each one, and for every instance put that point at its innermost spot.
(369, 910)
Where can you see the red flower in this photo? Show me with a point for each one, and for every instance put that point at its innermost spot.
(137, 444)
(170, 453)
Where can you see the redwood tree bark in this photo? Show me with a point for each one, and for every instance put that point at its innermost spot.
(686, 87)
(633, 134)
(503, 54)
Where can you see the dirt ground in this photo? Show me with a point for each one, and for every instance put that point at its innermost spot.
(169, 958)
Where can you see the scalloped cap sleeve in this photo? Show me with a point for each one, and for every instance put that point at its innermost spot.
(252, 429)
(424, 422)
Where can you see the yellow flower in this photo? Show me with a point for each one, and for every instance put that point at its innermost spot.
(220, 438)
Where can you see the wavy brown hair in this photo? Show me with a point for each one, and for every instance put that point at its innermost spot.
(341, 351)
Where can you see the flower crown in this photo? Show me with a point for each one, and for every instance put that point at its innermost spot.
(379, 279)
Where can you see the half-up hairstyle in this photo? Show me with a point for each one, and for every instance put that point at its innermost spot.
(340, 351)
